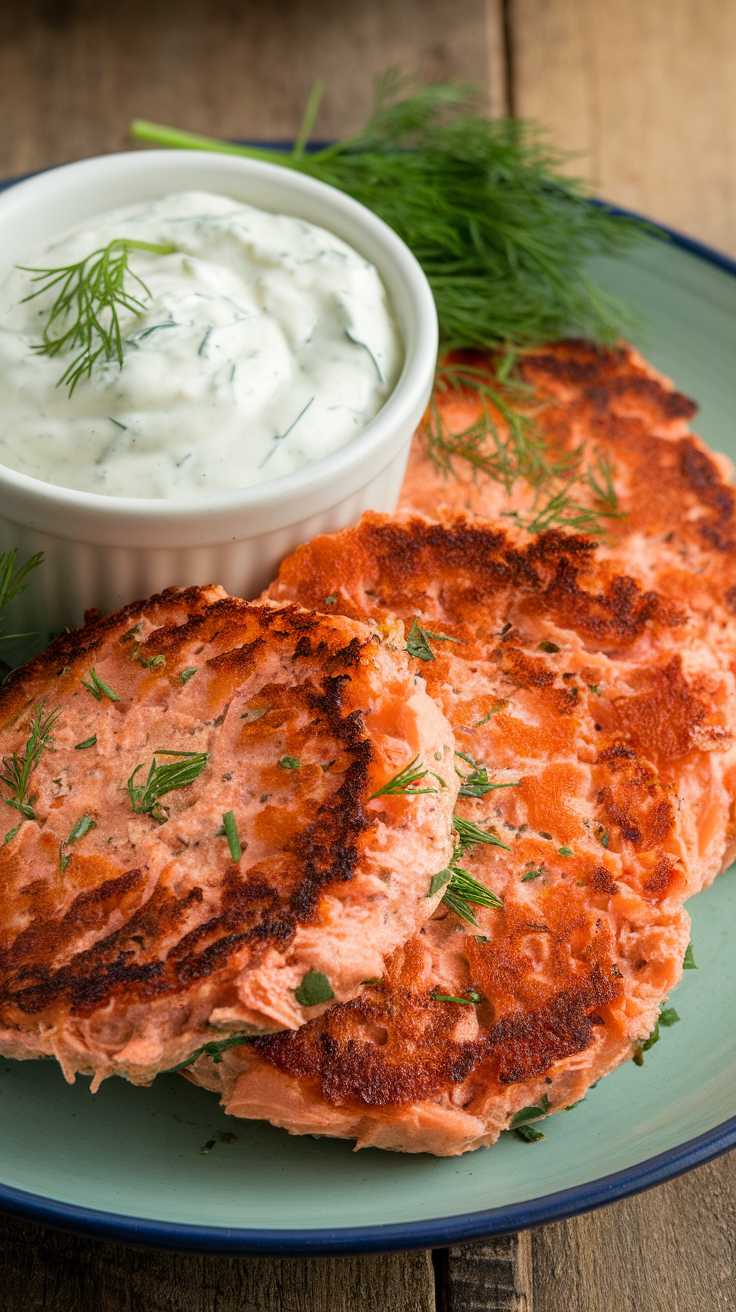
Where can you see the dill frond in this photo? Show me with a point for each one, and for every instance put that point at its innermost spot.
(403, 783)
(12, 582)
(501, 233)
(18, 768)
(464, 892)
(84, 315)
(162, 779)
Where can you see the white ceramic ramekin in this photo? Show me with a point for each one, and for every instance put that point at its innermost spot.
(106, 551)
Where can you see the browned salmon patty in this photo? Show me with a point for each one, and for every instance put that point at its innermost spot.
(203, 844)
(582, 693)
(675, 526)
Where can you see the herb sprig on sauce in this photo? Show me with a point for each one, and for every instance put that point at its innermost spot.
(84, 316)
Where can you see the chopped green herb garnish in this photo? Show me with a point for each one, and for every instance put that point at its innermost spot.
(149, 663)
(11, 833)
(528, 1134)
(594, 689)
(327, 765)
(84, 315)
(531, 1113)
(88, 742)
(82, 827)
(290, 762)
(330, 601)
(163, 779)
(314, 988)
(688, 962)
(441, 637)
(463, 892)
(417, 644)
(653, 1038)
(214, 1050)
(98, 688)
(64, 859)
(472, 997)
(548, 646)
(438, 881)
(185, 675)
(668, 1017)
(402, 784)
(565, 851)
(477, 783)
(531, 874)
(11, 583)
(231, 833)
(18, 769)
(468, 833)
(604, 837)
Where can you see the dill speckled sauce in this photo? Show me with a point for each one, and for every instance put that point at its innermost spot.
(257, 345)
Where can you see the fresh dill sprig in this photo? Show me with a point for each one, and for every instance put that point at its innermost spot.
(477, 783)
(12, 582)
(84, 316)
(501, 233)
(518, 451)
(161, 779)
(402, 784)
(463, 892)
(469, 834)
(18, 768)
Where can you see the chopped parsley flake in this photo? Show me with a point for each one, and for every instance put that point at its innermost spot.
(289, 762)
(185, 675)
(417, 644)
(531, 1113)
(88, 742)
(82, 827)
(330, 601)
(64, 859)
(11, 834)
(531, 874)
(314, 988)
(565, 851)
(549, 646)
(668, 1017)
(472, 999)
(688, 962)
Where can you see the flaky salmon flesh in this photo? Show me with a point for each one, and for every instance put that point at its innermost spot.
(202, 836)
(591, 700)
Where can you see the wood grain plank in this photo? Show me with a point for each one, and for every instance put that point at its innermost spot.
(492, 1277)
(670, 1250)
(74, 72)
(43, 1271)
(647, 91)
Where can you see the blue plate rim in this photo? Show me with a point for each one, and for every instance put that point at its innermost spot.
(441, 1231)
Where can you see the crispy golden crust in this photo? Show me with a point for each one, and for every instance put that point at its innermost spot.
(546, 664)
(677, 528)
(140, 932)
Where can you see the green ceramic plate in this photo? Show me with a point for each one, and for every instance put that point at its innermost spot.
(128, 1164)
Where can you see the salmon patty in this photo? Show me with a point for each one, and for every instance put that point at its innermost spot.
(596, 756)
(203, 836)
(674, 525)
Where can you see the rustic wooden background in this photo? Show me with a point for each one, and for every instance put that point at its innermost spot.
(645, 92)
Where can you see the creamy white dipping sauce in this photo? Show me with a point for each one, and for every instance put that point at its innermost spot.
(266, 344)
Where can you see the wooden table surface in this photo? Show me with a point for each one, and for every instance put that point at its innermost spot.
(646, 91)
